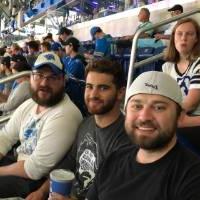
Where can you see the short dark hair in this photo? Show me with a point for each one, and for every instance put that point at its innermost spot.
(21, 66)
(74, 42)
(47, 45)
(108, 67)
(34, 45)
(6, 61)
(65, 30)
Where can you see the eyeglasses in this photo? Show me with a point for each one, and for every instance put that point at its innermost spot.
(37, 76)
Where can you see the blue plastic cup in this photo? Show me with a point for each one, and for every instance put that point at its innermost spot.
(61, 181)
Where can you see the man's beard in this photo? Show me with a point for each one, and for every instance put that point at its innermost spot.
(104, 108)
(53, 99)
(160, 140)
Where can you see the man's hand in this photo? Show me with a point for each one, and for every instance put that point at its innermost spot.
(158, 36)
(41, 193)
(56, 196)
(37, 195)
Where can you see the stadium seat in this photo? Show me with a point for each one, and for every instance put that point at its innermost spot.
(144, 53)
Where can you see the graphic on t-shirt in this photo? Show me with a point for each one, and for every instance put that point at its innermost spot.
(87, 154)
(184, 83)
(30, 138)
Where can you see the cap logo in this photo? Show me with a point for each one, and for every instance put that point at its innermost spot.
(151, 85)
(49, 57)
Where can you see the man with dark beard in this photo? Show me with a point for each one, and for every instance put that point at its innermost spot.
(160, 168)
(98, 135)
(43, 126)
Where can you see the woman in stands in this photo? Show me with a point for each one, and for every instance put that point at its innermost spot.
(183, 63)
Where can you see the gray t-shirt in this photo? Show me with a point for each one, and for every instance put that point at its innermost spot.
(92, 146)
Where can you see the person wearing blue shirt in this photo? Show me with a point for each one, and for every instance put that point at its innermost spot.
(102, 43)
(74, 64)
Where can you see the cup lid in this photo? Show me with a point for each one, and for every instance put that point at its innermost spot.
(62, 175)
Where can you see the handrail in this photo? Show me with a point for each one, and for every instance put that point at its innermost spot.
(7, 79)
(137, 34)
(4, 118)
(14, 76)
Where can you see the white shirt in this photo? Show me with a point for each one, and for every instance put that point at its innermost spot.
(45, 138)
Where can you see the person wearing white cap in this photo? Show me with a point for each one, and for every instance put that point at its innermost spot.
(43, 126)
(160, 167)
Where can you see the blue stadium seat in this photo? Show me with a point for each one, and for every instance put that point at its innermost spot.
(160, 62)
(144, 52)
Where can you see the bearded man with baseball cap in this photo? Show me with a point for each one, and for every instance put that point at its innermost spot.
(45, 125)
(160, 167)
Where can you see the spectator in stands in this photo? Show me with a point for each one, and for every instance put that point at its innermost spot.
(183, 64)
(5, 71)
(33, 52)
(55, 46)
(174, 11)
(15, 49)
(21, 91)
(144, 19)
(74, 62)
(45, 46)
(160, 167)
(64, 33)
(102, 43)
(44, 127)
(48, 38)
(99, 134)
(74, 65)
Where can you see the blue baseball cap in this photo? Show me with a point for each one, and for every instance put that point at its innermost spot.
(94, 30)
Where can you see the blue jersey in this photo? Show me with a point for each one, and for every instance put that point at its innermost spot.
(74, 67)
(103, 46)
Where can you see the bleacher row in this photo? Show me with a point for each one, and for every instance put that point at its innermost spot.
(122, 55)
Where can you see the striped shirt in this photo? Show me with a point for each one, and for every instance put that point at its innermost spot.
(190, 79)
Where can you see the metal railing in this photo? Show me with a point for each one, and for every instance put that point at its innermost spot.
(14, 76)
(8, 79)
(132, 64)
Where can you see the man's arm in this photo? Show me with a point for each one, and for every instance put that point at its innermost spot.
(15, 169)
(159, 36)
(188, 121)
(41, 193)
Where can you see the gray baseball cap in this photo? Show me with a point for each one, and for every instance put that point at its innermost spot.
(154, 82)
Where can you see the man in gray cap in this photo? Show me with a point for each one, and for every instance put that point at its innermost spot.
(43, 126)
(160, 167)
